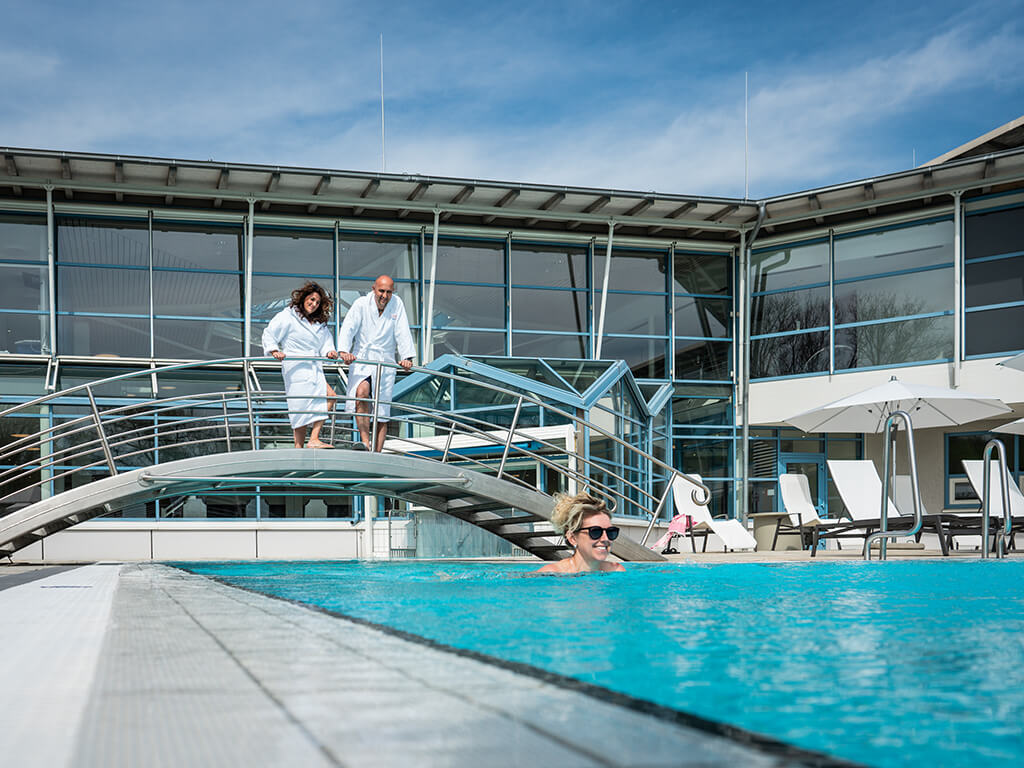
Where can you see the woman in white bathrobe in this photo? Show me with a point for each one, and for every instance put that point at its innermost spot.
(301, 330)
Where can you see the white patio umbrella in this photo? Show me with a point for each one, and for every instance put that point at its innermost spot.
(1013, 428)
(1016, 362)
(867, 411)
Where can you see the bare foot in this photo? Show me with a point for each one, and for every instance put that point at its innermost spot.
(319, 444)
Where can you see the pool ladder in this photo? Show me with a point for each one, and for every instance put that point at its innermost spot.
(1001, 537)
(888, 470)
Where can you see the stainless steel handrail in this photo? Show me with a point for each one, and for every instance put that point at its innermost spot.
(888, 469)
(999, 545)
(255, 410)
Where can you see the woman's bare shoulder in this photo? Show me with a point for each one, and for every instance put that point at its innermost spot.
(557, 567)
(612, 567)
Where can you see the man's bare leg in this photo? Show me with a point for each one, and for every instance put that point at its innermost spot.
(382, 432)
(362, 407)
(299, 435)
(314, 437)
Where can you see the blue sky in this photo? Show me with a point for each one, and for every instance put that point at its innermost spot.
(629, 95)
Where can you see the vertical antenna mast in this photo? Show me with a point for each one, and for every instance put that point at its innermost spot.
(383, 156)
(746, 136)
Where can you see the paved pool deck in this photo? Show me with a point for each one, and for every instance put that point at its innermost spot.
(147, 665)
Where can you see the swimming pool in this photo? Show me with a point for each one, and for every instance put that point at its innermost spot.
(897, 663)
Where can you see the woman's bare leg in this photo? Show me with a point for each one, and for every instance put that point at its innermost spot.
(299, 435)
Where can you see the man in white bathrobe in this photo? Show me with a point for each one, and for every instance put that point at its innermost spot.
(376, 328)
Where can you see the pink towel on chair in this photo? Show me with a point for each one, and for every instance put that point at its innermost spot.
(679, 526)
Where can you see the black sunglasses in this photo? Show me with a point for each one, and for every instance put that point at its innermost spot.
(595, 531)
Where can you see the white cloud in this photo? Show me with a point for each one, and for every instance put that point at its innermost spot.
(459, 104)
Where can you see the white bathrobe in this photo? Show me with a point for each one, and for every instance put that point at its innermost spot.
(304, 381)
(370, 335)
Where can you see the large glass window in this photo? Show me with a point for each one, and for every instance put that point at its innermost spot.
(470, 293)
(549, 294)
(902, 274)
(703, 316)
(197, 290)
(994, 282)
(894, 250)
(635, 326)
(103, 287)
(365, 256)
(24, 307)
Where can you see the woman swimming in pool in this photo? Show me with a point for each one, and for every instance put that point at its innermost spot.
(587, 526)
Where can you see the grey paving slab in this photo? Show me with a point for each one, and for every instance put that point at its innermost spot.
(51, 633)
(193, 672)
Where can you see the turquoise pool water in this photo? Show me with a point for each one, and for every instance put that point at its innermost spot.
(898, 663)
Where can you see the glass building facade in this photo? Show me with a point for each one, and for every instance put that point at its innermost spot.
(98, 288)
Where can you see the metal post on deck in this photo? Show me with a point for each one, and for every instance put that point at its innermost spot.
(428, 321)
(604, 290)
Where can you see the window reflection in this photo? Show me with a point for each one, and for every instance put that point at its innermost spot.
(894, 343)
(995, 331)
(877, 253)
(703, 359)
(541, 345)
(374, 256)
(543, 265)
(197, 294)
(899, 295)
(703, 272)
(478, 343)
(634, 313)
(468, 306)
(197, 246)
(471, 262)
(633, 271)
(703, 317)
(994, 233)
(23, 238)
(789, 355)
(995, 282)
(102, 336)
(535, 309)
(789, 311)
(197, 339)
(790, 267)
(645, 357)
(309, 254)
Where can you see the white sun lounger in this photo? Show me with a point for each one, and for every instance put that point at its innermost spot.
(800, 510)
(860, 486)
(731, 532)
(975, 469)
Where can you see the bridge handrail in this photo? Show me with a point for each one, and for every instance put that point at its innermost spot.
(88, 421)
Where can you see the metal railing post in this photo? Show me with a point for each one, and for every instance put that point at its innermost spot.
(102, 433)
(986, 495)
(508, 438)
(657, 512)
(227, 421)
(889, 457)
(448, 441)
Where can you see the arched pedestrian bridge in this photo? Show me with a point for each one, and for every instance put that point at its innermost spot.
(104, 453)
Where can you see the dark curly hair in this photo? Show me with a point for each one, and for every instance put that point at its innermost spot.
(323, 312)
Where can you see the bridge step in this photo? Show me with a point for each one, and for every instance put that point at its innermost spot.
(498, 522)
